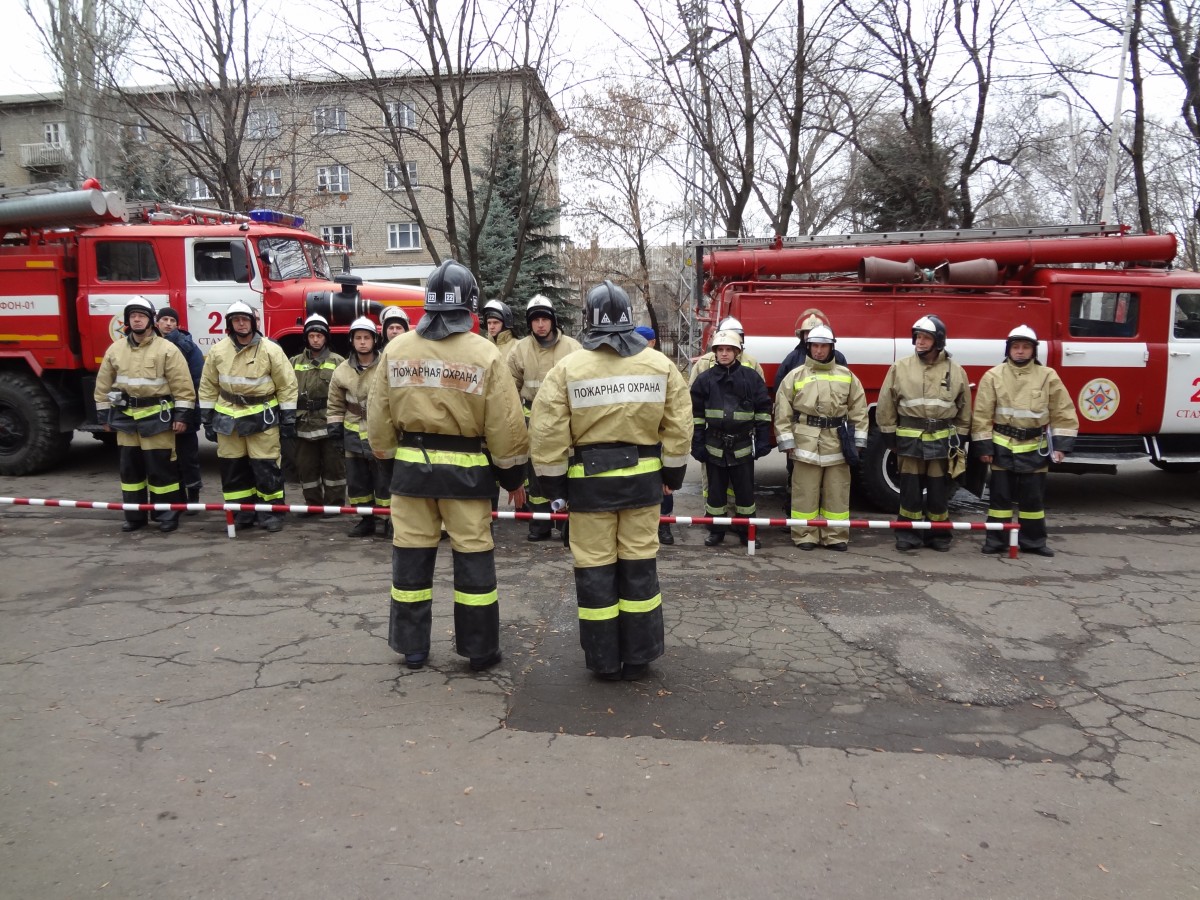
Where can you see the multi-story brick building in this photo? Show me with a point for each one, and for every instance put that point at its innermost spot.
(375, 165)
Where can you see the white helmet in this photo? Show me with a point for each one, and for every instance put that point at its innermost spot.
(393, 312)
(1021, 333)
(362, 323)
(316, 322)
(540, 305)
(821, 334)
(727, 338)
(729, 323)
(138, 304)
(238, 308)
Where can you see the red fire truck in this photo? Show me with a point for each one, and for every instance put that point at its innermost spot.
(67, 269)
(1118, 323)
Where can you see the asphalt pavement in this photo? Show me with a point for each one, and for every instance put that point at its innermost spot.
(187, 715)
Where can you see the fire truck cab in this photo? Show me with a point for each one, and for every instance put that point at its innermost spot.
(1118, 324)
(67, 270)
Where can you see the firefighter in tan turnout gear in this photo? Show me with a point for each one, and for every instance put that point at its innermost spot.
(368, 480)
(439, 393)
(814, 403)
(247, 402)
(498, 320)
(611, 430)
(923, 413)
(144, 392)
(319, 463)
(530, 361)
(1023, 420)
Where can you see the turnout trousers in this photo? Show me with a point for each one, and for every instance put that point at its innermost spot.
(149, 473)
(417, 524)
(725, 479)
(321, 471)
(368, 481)
(616, 587)
(820, 492)
(536, 503)
(1027, 492)
(924, 495)
(249, 467)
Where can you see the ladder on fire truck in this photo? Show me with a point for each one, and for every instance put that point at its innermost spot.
(869, 239)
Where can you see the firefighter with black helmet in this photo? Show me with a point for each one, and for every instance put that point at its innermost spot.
(611, 429)
(814, 402)
(247, 402)
(1024, 420)
(368, 480)
(394, 322)
(923, 413)
(440, 392)
(320, 467)
(498, 320)
(144, 393)
(531, 359)
(731, 412)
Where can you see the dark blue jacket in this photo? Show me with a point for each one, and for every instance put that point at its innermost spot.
(191, 353)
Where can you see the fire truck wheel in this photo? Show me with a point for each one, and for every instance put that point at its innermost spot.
(1176, 468)
(877, 475)
(29, 437)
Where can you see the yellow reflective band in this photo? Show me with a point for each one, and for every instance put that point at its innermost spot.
(835, 517)
(820, 376)
(742, 415)
(164, 488)
(145, 412)
(939, 517)
(923, 435)
(1031, 515)
(475, 599)
(35, 337)
(797, 514)
(999, 513)
(39, 264)
(746, 511)
(642, 467)
(640, 606)
(418, 596)
(915, 515)
(140, 486)
(588, 614)
(714, 510)
(1004, 440)
(267, 498)
(441, 457)
(385, 502)
(237, 412)
(233, 496)
(360, 501)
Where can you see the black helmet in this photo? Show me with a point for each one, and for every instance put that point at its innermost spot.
(932, 326)
(539, 305)
(498, 309)
(138, 304)
(608, 310)
(316, 322)
(451, 287)
(238, 308)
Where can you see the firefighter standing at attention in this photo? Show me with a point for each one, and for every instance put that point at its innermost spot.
(144, 393)
(368, 480)
(1024, 419)
(439, 393)
(923, 412)
(498, 319)
(247, 402)
(611, 429)
(531, 359)
(319, 463)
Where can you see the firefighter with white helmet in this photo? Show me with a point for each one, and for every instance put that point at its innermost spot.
(610, 431)
(440, 393)
(923, 413)
(145, 393)
(320, 467)
(498, 320)
(247, 402)
(819, 405)
(1024, 420)
(731, 418)
(394, 322)
(368, 480)
(531, 359)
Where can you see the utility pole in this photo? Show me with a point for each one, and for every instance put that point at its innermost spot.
(1107, 211)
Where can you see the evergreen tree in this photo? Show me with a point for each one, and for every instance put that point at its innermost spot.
(903, 185)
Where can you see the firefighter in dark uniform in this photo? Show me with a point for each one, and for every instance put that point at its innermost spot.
(247, 403)
(187, 442)
(368, 479)
(731, 412)
(1023, 420)
(439, 393)
(319, 463)
(611, 429)
(144, 392)
(923, 412)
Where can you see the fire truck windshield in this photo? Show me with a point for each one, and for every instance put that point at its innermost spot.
(316, 256)
(288, 258)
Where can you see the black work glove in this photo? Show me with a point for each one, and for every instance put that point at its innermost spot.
(699, 453)
(210, 433)
(889, 439)
(336, 430)
(762, 450)
(287, 429)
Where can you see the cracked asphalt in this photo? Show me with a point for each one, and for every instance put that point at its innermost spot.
(190, 716)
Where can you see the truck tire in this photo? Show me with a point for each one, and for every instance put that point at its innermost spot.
(30, 440)
(878, 477)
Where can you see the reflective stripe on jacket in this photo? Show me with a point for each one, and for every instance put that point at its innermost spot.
(154, 382)
(1013, 407)
(821, 391)
(245, 389)
(313, 375)
(731, 411)
(924, 404)
(709, 359)
(348, 395)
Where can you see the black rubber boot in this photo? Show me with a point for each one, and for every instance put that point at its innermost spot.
(364, 528)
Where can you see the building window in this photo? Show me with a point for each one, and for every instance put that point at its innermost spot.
(137, 132)
(342, 235)
(125, 261)
(55, 133)
(402, 114)
(196, 128)
(394, 180)
(404, 236)
(329, 120)
(197, 188)
(262, 123)
(335, 179)
(270, 182)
